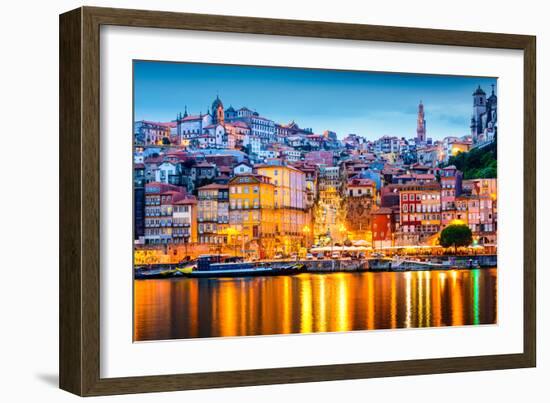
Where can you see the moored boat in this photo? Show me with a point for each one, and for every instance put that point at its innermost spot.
(210, 266)
(219, 266)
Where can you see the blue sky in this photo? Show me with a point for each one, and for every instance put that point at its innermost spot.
(366, 103)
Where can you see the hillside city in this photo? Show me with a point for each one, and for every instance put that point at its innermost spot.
(236, 182)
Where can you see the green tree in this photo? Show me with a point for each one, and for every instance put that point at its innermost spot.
(456, 235)
(477, 163)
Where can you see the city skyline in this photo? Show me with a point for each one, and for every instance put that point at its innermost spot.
(369, 104)
(301, 230)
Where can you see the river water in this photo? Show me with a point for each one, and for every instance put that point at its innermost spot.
(306, 303)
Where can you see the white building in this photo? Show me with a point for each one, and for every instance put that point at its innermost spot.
(220, 135)
(242, 168)
(291, 154)
(164, 171)
(387, 145)
(268, 154)
(184, 224)
(254, 142)
(190, 126)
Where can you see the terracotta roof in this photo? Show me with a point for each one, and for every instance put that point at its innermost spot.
(213, 186)
(192, 117)
(240, 124)
(176, 196)
(424, 176)
(419, 166)
(187, 200)
(164, 124)
(421, 186)
(275, 166)
(153, 160)
(224, 168)
(392, 170)
(360, 182)
(261, 178)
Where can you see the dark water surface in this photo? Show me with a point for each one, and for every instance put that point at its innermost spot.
(306, 303)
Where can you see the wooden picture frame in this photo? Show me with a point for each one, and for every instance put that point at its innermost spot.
(80, 198)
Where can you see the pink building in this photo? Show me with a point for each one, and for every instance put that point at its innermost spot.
(451, 187)
(320, 157)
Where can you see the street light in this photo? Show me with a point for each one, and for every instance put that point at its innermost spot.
(232, 233)
(343, 231)
(306, 230)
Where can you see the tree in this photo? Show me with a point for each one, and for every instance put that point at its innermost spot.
(480, 162)
(456, 235)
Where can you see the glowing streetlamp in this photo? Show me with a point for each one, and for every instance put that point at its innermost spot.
(306, 230)
(343, 231)
(232, 233)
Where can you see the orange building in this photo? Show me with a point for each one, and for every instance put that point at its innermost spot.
(290, 205)
(252, 218)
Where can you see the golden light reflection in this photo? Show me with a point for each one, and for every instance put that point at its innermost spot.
(342, 322)
(438, 286)
(321, 304)
(420, 293)
(306, 318)
(428, 304)
(393, 298)
(228, 309)
(286, 302)
(188, 308)
(456, 302)
(408, 301)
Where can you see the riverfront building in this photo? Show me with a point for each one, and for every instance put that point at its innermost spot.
(382, 228)
(289, 203)
(160, 199)
(184, 220)
(252, 215)
(232, 181)
(213, 213)
(420, 208)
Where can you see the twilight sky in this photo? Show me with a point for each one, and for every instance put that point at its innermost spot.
(366, 103)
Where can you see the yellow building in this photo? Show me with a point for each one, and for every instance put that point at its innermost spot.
(251, 215)
(290, 205)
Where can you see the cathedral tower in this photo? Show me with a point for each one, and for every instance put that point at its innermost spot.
(421, 124)
(218, 115)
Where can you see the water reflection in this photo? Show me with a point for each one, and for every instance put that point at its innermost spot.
(190, 308)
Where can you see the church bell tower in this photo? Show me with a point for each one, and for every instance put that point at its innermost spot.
(421, 124)
(218, 113)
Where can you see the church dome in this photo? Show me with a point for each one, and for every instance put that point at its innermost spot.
(217, 102)
(479, 91)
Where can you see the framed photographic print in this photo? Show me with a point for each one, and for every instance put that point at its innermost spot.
(250, 201)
